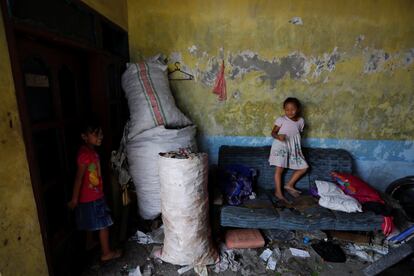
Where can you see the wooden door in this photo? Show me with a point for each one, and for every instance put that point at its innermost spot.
(54, 100)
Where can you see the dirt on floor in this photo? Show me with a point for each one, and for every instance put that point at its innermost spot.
(244, 261)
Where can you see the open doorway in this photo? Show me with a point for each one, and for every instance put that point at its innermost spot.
(55, 98)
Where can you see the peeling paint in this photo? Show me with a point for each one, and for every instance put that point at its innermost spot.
(193, 49)
(236, 95)
(359, 40)
(296, 20)
(408, 58)
(375, 61)
(273, 71)
(341, 65)
(325, 63)
(209, 77)
(175, 57)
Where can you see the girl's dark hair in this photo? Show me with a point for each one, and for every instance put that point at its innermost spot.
(90, 125)
(294, 101)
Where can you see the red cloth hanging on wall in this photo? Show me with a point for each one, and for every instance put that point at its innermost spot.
(220, 85)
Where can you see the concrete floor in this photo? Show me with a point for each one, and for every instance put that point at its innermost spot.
(137, 254)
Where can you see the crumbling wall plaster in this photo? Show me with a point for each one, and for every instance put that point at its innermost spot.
(350, 63)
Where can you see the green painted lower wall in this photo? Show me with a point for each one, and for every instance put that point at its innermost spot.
(351, 63)
(21, 247)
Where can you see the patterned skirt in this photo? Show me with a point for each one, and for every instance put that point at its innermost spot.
(288, 154)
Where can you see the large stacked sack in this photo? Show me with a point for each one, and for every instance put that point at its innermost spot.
(155, 125)
(185, 210)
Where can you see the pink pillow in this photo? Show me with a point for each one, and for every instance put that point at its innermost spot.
(356, 188)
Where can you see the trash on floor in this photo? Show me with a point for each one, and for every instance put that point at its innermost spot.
(271, 257)
(299, 253)
(369, 253)
(135, 272)
(156, 236)
(156, 253)
(184, 269)
(266, 254)
(148, 269)
(351, 236)
(244, 238)
(227, 260)
(329, 251)
(279, 235)
(201, 270)
(311, 235)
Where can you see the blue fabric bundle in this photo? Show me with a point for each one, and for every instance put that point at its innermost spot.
(236, 182)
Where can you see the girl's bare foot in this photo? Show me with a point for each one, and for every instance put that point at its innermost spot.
(292, 191)
(281, 198)
(112, 255)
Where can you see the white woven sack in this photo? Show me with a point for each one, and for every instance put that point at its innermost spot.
(149, 98)
(142, 153)
(185, 211)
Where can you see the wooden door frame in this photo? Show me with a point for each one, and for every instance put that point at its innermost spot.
(26, 130)
(11, 29)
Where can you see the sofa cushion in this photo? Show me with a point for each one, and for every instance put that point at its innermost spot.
(321, 161)
(257, 158)
(314, 218)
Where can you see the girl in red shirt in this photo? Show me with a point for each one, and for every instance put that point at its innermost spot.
(92, 213)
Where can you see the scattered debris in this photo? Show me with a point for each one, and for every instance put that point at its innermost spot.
(156, 236)
(201, 270)
(184, 269)
(299, 253)
(182, 153)
(311, 235)
(135, 272)
(369, 253)
(351, 236)
(329, 251)
(227, 260)
(266, 254)
(279, 235)
(296, 21)
(148, 269)
(156, 253)
(271, 263)
(271, 258)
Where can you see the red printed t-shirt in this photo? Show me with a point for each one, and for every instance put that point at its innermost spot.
(91, 188)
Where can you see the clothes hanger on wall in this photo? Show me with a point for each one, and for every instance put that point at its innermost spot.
(177, 68)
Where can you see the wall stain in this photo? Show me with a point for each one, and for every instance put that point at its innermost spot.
(245, 62)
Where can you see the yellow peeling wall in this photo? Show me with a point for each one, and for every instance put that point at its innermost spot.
(21, 247)
(114, 10)
(349, 62)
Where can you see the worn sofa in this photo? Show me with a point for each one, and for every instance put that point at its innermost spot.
(264, 213)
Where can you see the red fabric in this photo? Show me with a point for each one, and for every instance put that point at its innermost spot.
(220, 85)
(91, 188)
(361, 191)
(356, 188)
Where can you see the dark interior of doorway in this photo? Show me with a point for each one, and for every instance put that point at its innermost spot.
(66, 65)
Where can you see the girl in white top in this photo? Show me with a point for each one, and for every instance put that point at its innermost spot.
(286, 150)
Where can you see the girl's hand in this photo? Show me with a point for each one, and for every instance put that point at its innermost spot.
(281, 137)
(72, 204)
